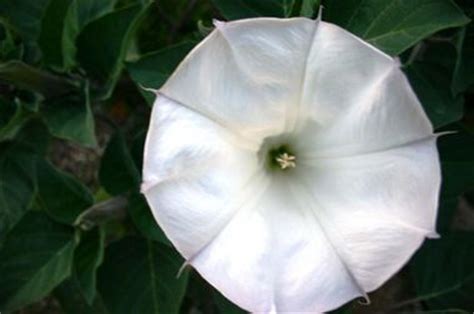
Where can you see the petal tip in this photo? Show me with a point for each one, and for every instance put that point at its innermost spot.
(433, 235)
(446, 133)
(148, 89)
(218, 24)
(320, 13)
(182, 269)
(364, 299)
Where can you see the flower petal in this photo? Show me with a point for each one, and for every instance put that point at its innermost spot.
(356, 99)
(378, 207)
(195, 175)
(246, 74)
(273, 256)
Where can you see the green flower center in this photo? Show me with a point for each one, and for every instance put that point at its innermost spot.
(281, 158)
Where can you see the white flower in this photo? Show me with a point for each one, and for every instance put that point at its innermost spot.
(291, 164)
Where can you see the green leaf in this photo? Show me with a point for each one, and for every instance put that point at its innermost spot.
(17, 184)
(62, 23)
(394, 25)
(51, 35)
(24, 16)
(143, 219)
(154, 68)
(463, 76)
(432, 85)
(457, 160)
(225, 306)
(238, 9)
(27, 77)
(35, 136)
(138, 144)
(309, 8)
(70, 117)
(118, 173)
(87, 259)
(108, 38)
(443, 272)
(36, 256)
(81, 13)
(9, 48)
(12, 118)
(59, 194)
(72, 301)
(457, 164)
(140, 277)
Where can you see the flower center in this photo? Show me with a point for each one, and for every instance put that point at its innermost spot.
(277, 154)
(281, 158)
(286, 161)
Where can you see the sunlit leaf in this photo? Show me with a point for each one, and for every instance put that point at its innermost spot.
(394, 25)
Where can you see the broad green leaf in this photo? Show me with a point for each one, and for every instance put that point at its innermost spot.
(139, 276)
(463, 76)
(238, 9)
(118, 173)
(79, 14)
(17, 185)
(51, 34)
(36, 256)
(432, 85)
(24, 16)
(62, 23)
(143, 219)
(108, 38)
(70, 117)
(59, 194)
(394, 25)
(25, 76)
(72, 301)
(154, 68)
(87, 259)
(443, 272)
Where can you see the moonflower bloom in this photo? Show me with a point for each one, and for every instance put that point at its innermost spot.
(291, 164)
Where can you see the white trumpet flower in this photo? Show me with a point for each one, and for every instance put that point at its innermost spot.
(291, 164)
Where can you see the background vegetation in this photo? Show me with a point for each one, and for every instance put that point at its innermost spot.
(76, 236)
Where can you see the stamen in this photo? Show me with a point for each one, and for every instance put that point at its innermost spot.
(286, 161)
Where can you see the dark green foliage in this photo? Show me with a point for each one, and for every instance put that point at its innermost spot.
(77, 79)
(432, 85)
(88, 257)
(35, 257)
(443, 272)
(152, 69)
(238, 9)
(140, 277)
(59, 194)
(108, 37)
(396, 25)
(143, 219)
(118, 173)
(17, 184)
